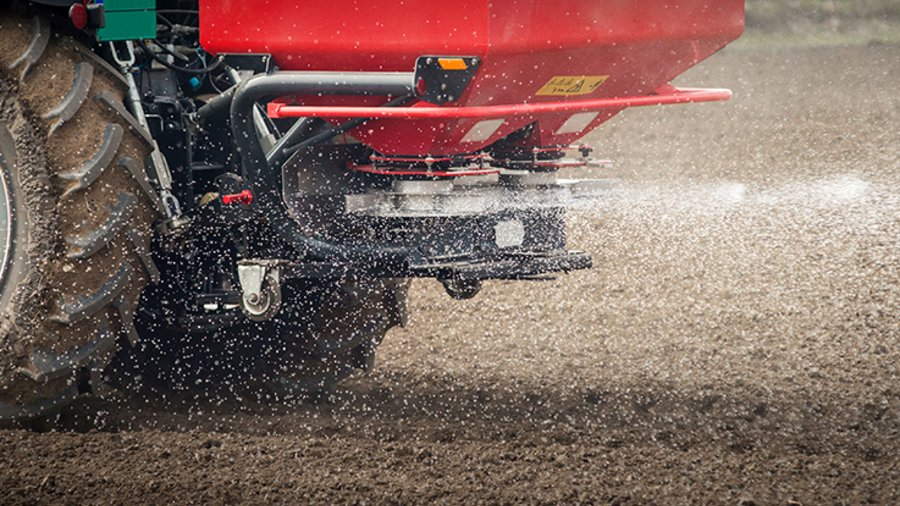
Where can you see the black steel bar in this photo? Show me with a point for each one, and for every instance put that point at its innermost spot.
(470, 268)
(282, 149)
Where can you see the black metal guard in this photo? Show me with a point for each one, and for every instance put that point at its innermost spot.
(509, 265)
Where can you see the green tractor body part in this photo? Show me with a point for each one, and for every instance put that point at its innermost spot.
(128, 20)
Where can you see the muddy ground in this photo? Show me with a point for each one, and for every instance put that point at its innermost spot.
(738, 341)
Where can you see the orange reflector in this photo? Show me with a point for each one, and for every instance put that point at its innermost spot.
(452, 63)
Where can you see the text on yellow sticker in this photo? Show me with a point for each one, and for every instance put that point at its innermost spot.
(571, 85)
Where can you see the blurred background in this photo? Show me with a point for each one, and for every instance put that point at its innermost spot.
(823, 21)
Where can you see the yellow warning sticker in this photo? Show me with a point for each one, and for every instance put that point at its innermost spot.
(571, 85)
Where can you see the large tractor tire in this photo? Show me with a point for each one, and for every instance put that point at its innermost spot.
(76, 211)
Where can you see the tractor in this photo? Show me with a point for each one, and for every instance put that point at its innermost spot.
(236, 194)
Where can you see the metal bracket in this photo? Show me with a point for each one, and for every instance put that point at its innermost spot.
(261, 288)
(158, 162)
(254, 62)
(441, 79)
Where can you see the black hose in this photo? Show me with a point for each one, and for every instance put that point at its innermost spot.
(215, 108)
(165, 21)
(201, 71)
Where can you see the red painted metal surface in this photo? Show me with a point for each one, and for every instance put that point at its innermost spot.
(427, 111)
(523, 44)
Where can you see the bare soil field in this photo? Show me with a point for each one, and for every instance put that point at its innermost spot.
(737, 342)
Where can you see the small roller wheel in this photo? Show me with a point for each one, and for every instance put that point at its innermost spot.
(262, 306)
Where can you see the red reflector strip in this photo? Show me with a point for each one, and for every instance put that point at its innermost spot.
(452, 63)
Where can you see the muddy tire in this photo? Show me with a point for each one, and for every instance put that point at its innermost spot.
(75, 218)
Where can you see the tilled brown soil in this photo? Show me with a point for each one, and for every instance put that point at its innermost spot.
(738, 341)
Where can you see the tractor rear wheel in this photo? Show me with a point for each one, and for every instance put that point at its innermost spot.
(76, 213)
(329, 331)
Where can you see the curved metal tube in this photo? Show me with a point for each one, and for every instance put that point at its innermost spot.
(265, 178)
(664, 96)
